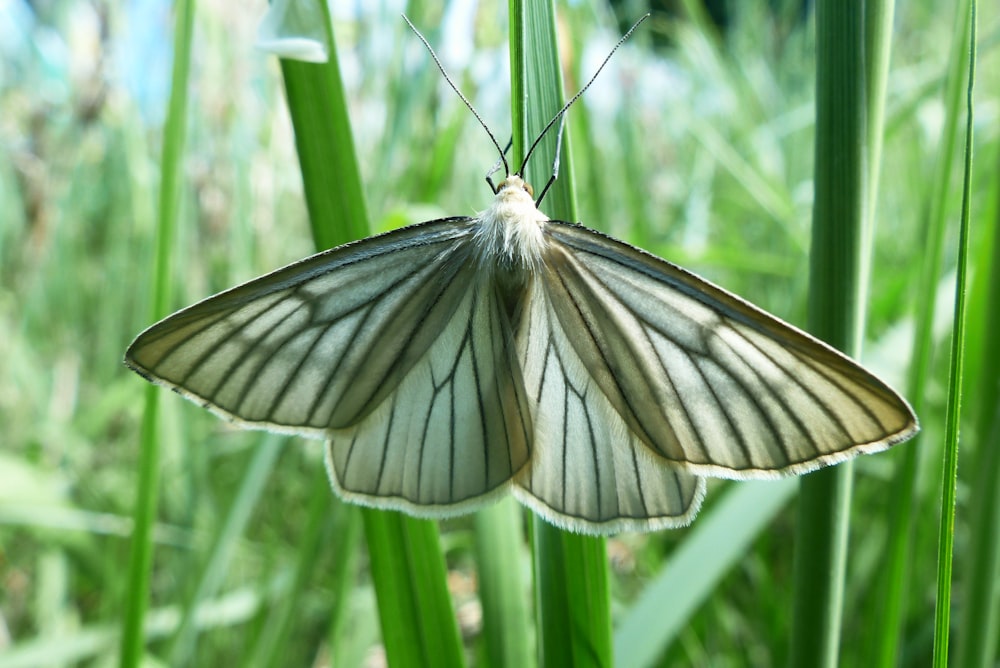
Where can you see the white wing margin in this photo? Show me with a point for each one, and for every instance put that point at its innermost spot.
(705, 379)
(588, 472)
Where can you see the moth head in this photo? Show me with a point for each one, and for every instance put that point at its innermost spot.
(515, 184)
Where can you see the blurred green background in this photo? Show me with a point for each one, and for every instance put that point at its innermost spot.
(695, 144)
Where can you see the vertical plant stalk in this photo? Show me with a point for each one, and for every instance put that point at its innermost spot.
(408, 570)
(949, 473)
(978, 640)
(835, 315)
(213, 571)
(713, 546)
(502, 590)
(571, 579)
(878, 23)
(334, 195)
(883, 638)
(141, 553)
(276, 641)
(981, 609)
(895, 579)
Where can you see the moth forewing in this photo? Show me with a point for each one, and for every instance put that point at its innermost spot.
(706, 380)
(285, 351)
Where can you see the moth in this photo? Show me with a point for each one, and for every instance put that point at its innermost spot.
(448, 363)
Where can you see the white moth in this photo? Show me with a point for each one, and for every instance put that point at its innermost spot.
(451, 362)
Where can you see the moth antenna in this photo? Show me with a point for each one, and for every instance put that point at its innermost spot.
(437, 61)
(576, 97)
(496, 167)
(555, 162)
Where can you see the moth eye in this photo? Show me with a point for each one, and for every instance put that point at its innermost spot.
(528, 189)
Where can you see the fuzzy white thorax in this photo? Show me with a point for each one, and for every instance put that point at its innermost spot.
(510, 232)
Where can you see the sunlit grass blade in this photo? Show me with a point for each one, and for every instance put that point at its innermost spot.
(980, 618)
(715, 543)
(949, 467)
(210, 579)
(315, 99)
(141, 556)
(896, 580)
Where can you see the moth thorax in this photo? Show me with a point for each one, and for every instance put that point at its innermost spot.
(511, 231)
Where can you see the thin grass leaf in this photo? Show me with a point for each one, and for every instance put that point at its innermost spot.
(141, 555)
(315, 100)
(949, 468)
(980, 615)
(272, 645)
(878, 33)
(210, 580)
(896, 579)
(715, 543)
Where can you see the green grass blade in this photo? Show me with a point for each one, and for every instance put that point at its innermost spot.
(502, 590)
(141, 555)
(716, 543)
(895, 579)
(835, 306)
(418, 624)
(980, 616)
(978, 640)
(571, 580)
(879, 15)
(337, 209)
(884, 637)
(541, 95)
(210, 580)
(949, 472)
(271, 647)
(571, 598)
(878, 33)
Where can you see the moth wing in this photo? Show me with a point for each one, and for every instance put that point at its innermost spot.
(319, 344)
(705, 379)
(588, 472)
(456, 429)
